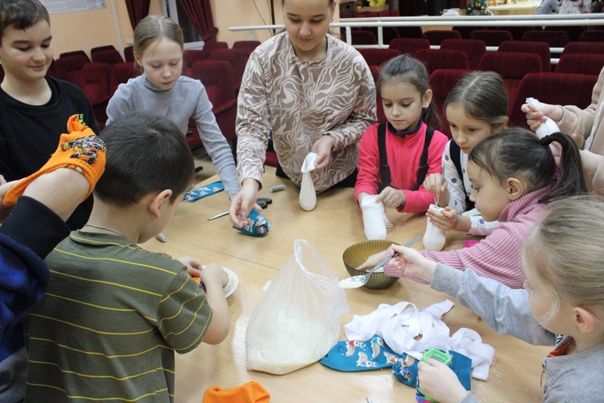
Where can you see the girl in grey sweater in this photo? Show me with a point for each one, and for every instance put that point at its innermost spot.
(564, 294)
(162, 90)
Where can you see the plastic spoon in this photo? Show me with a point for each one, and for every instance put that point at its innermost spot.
(362, 279)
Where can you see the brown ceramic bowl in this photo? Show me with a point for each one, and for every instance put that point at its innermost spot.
(356, 254)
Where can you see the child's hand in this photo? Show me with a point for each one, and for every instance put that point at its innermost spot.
(193, 266)
(449, 220)
(372, 261)
(214, 279)
(445, 221)
(213, 274)
(439, 382)
(392, 197)
(436, 184)
(409, 263)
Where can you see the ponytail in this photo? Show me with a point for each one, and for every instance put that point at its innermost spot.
(517, 152)
(430, 116)
(571, 181)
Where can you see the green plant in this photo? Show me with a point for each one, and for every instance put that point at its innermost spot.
(478, 7)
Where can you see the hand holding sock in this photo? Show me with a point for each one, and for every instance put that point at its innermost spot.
(308, 196)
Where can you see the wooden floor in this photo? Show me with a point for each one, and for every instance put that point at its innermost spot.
(335, 224)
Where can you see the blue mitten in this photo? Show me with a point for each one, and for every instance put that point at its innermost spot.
(357, 355)
(204, 191)
(258, 226)
(406, 372)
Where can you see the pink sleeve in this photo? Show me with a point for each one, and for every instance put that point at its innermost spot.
(497, 257)
(368, 176)
(418, 201)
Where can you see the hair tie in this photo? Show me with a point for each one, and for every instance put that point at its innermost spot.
(545, 140)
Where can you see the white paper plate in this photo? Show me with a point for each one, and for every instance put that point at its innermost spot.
(232, 284)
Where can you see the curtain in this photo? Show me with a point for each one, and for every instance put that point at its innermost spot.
(199, 13)
(137, 10)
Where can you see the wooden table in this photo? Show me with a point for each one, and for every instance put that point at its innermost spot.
(334, 225)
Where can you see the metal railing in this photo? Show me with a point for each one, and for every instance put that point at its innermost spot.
(445, 21)
(554, 20)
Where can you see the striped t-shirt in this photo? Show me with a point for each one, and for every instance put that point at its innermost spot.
(110, 321)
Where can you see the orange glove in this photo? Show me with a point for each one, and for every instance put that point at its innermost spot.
(251, 392)
(79, 149)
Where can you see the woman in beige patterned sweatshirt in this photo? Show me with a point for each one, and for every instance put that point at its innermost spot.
(314, 92)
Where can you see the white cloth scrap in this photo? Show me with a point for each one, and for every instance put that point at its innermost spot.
(405, 329)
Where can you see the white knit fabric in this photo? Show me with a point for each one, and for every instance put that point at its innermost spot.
(406, 329)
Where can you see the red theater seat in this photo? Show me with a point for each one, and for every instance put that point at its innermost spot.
(473, 48)
(512, 66)
(436, 37)
(105, 54)
(217, 78)
(580, 63)
(409, 45)
(441, 83)
(540, 48)
(443, 59)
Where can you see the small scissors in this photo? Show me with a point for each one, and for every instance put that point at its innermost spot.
(263, 202)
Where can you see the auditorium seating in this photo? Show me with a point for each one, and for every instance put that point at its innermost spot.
(362, 37)
(512, 66)
(473, 48)
(539, 48)
(552, 88)
(377, 57)
(580, 63)
(409, 45)
(584, 47)
(121, 73)
(129, 54)
(554, 38)
(443, 59)
(237, 58)
(106, 54)
(436, 37)
(217, 78)
(441, 82)
(492, 37)
(592, 35)
(246, 44)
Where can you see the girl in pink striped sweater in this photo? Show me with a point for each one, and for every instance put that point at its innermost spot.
(512, 175)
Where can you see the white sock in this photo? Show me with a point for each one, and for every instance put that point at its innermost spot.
(308, 195)
(373, 218)
(434, 237)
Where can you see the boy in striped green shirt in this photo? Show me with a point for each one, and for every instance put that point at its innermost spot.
(114, 313)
